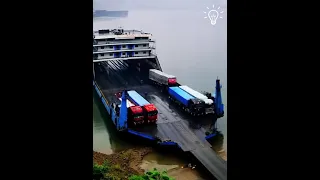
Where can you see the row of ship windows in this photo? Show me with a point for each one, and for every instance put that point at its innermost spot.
(111, 54)
(113, 39)
(124, 46)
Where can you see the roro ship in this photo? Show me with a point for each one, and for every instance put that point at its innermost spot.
(145, 102)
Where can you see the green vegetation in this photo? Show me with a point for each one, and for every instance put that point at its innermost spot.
(115, 172)
(152, 175)
(100, 170)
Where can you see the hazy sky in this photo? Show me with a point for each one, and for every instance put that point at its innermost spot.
(154, 4)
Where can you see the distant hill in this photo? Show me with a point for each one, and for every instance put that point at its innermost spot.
(105, 13)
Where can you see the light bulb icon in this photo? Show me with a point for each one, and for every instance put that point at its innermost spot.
(213, 15)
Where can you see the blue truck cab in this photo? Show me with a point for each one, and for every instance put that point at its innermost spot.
(188, 102)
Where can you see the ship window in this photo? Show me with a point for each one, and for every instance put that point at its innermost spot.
(124, 46)
(123, 53)
(111, 46)
(102, 47)
(135, 45)
(144, 45)
(111, 54)
(136, 52)
(144, 52)
(102, 54)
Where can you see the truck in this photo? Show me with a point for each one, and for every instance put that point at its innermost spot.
(187, 102)
(209, 106)
(162, 78)
(135, 113)
(150, 111)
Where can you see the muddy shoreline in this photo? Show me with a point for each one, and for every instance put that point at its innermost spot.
(128, 162)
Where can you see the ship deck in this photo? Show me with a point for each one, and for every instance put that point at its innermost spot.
(173, 123)
(122, 77)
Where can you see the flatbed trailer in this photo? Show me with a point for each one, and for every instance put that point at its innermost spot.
(174, 126)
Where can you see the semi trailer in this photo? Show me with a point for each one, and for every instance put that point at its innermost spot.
(209, 106)
(162, 78)
(189, 103)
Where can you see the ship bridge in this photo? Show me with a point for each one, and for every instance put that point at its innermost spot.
(110, 45)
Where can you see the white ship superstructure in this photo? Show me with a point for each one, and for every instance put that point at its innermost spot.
(119, 44)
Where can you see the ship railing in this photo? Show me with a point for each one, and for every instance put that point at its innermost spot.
(127, 41)
(151, 56)
(129, 30)
(123, 50)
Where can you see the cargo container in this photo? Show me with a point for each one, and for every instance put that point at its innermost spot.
(208, 102)
(150, 111)
(189, 103)
(162, 78)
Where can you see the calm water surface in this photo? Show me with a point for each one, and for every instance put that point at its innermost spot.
(188, 46)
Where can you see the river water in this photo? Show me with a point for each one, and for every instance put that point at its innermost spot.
(189, 47)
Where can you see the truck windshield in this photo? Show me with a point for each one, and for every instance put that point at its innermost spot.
(139, 116)
(152, 113)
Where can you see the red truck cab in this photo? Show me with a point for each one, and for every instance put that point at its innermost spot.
(135, 115)
(151, 113)
(172, 81)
